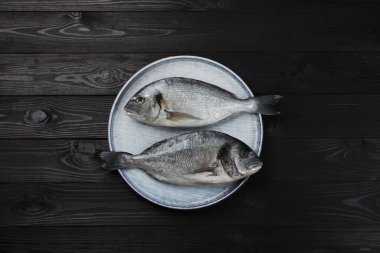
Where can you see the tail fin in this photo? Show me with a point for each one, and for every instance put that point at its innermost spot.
(265, 104)
(113, 160)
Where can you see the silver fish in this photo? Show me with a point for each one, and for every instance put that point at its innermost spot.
(184, 102)
(202, 157)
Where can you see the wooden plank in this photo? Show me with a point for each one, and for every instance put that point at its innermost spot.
(264, 72)
(277, 29)
(81, 74)
(339, 159)
(54, 117)
(258, 203)
(53, 161)
(171, 5)
(127, 5)
(242, 238)
(285, 159)
(86, 117)
(326, 116)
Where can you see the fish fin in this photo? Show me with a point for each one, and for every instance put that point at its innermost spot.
(206, 178)
(210, 171)
(179, 116)
(154, 146)
(200, 176)
(206, 174)
(218, 171)
(113, 160)
(265, 104)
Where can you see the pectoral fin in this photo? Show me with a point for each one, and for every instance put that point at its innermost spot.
(210, 171)
(201, 177)
(207, 177)
(180, 116)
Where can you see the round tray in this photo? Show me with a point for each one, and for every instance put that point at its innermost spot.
(127, 134)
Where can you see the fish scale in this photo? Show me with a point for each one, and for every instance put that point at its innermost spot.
(200, 157)
(185, 102)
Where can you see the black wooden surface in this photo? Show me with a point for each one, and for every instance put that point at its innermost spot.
(63, 62)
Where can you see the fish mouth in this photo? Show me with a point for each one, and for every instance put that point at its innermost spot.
(255, 167)
(128, 110)
(131, 114)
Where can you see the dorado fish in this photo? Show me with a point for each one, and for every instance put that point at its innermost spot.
(184, 102)
(203, 157)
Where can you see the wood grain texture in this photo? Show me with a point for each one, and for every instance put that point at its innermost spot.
(233, 238)
(127, 5)
(316, 159)
(94, 74)
(289, 29)
(53, 161)
(172, 5)
(264, 72)
(54, 117)
(258, 203)
(325, 116)
(285, 159)
(61, 68)
(86, 117)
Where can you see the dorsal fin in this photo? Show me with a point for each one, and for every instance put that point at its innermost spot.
(154, 146)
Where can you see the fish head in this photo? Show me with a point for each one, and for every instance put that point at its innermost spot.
(144, 106)
(247, 162)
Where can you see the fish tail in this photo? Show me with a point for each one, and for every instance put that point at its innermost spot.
(113, 160)
(264, 104)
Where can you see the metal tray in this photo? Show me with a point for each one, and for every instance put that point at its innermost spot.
(126, 134)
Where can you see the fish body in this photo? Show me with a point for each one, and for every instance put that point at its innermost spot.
(185, 102)
(195, 158)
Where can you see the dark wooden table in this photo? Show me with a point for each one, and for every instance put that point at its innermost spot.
(63, 62)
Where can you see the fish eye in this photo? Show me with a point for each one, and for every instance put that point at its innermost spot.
(139, 100)
(251, 154)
